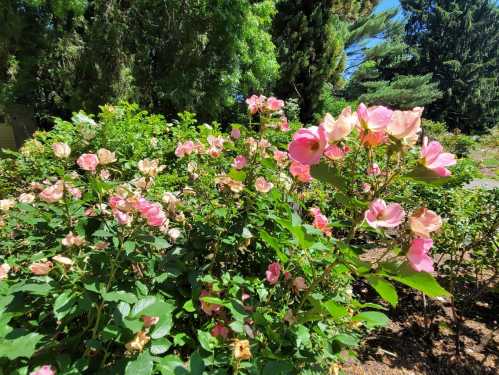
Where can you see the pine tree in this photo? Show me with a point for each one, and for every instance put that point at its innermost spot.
(458, 41)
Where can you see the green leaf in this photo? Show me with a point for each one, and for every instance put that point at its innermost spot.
(384, 288)
(237, 175)
(172, 365)
(22, 346)
(302, 336)
(278, 368)
(142, 365)
(102, 233)
(207, 341)
(346, 340)
(189, 306)
(196, 364)
(334, 309)
(274, 244)
(120, 295)
(372, 318)
(63, 304)
(422, 281)
(129, 246)
(329, 175)
(35, 289)
(161, 243)
(142, 304)
(160, 346)
(162, 328)
(212, 300)
(421, 173)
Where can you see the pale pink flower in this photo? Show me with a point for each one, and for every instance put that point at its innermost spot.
(280, 157)
(115, 201)
(105, 156)
(262, 185)
(122, 217)
(41, 268)
(374, 119)
(73, 240)
(418, 255)
(264, 143)
(424, 221)
(102, 245)
(150, 167)
(372, 139)
(284, 124)
(7, 204)
(214, 152)
(273, 104)
(105, 174)
(4, 271)
(308, 145)
(217, 142)
(366, 188)
(52, 193)
(150, 321)
(75, 192)
(220, 330)
(240, 162)
(334, 152)
(300, 171)
(320, 221)
(208, 308)
(235, 133)
(88, 162)
(252, 144)
(339, 129)
(154, 142)
(90, 212)
(299, 284)
(142, 183)
(44, 370)
(273, 272)
(434, 159)
(374, 170)
(171, 200)
(380, 214)
(36, 186)
(405, 125)
(255, 103)
(185, 148)
(174, 234)
(61, 259)
(61, 150)
(27, 198)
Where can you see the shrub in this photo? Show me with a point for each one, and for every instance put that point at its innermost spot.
(132, 245)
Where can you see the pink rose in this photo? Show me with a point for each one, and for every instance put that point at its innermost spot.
(106, 156)
(418, 255)
(334, 152)
(262, 185)
(424, 221)
(122, 217)
(255, 103)
(366, 188)
(105, 174)
(273, 272)
(284, 124)
(88, 162)
(174, 234)
(299, 284)
(374, 119)
(61, 150)
(41, 268)
(280, 157)
(4, 271)
(380, 214)
(150, 167)
(44, 370)
(73, 240)
(308, 145)
(372, 139)
(342, 127)
(374, 170)
(185, 148)
(320, 221)
(208, 308)
(75, 192)
(300, 171)
(220, 330)
(434, 159)
(405, 125)
(240, 162)
(52, 193)
(235, 133)
(217, 142)
(274, 104)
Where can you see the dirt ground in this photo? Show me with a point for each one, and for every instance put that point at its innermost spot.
(421, 340)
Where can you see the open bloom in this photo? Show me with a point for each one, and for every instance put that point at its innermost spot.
(334, 152)
(405, 125)
(300, 171)
(88, 162)
(433, 158)
(339, 129)
(262, 185)
(320, 221)
(4, 271)
(255, 103)
(241, 350)
(273, 104)
(374, 170)
(105, 156)
(424, 221)
(418, 255)
(44, 370)
(61, 150)
(273, 272)
(380, 214)
(121, 217)
(374, 119)
(53, 193)
(152, 212)
(308, 145)
(41, 268)
(185, 148)
(240, 162)
(208, 308)
(73, 240)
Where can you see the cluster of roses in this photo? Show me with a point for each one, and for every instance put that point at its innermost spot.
(216, 146)
(123, 209)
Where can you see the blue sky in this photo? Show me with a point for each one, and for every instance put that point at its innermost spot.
(386, 4)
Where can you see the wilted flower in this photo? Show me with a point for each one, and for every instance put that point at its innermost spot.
(102, 245)
(220, 330)
(61, 150)
(284, 124)
(27, 198)
(65, 261)
(299, 284)
(139, 341)
(150, 167)
(73, 240)
(171, 200)
(4, 271)
(106, 156)
(174, 234)
(41, 268)
(380, 214)
(53, 193)
(241, 350)
(418, 255)
(88, 162)
(149, 321)
(7, 204)
(208, 308)
(105, 174)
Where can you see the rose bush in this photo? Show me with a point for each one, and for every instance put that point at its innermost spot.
(132, 245)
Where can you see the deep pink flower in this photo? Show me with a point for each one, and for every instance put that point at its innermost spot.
(44, 370)
(273, 272)
(300, 171)
(88, 162)
(152, 212)
(424, 221)
(380, 214)
(433, 158)
(262, 185)
(273, 104)
(284, 124)
(374, 119)
(418, 255)
(374, 170)
(240, 162)
(334, 152)
(208, 308)
(308, 145)
(220, 330)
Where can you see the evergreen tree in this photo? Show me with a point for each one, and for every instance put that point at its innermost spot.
(457, 41)
(311, 37)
